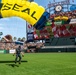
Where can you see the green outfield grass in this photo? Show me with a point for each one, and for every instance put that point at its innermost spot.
(39, 64)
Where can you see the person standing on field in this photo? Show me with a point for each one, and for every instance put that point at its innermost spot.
(18, 54)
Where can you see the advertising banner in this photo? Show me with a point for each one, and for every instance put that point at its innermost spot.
(30, 37)
(30, 28)
(72, 21)
(12, 51)
(56, 23)
(2, 51)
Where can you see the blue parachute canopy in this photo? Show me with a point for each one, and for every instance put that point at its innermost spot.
(41, 23)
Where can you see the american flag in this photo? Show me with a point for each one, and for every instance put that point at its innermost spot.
(65, 31)
(54, 30)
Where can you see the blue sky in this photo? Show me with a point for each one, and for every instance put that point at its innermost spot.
(17, 26)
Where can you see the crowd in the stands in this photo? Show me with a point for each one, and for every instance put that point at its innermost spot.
(29, 46)
(58, 32)
(70, 14)
(68, 28)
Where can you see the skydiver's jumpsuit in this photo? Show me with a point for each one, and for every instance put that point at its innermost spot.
(18, 54)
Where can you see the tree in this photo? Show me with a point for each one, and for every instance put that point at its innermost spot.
(23, 39)
(19, 39)
(15, 38)
(1, 33)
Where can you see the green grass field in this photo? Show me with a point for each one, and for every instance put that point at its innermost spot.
(39, 64)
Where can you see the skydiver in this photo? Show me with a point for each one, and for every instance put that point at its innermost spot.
(18, 54)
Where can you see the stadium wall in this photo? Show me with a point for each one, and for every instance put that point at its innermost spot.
(64, 44)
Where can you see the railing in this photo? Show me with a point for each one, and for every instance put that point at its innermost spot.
(70, 46)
